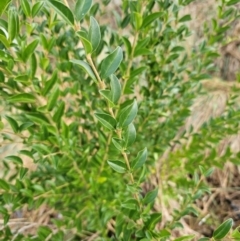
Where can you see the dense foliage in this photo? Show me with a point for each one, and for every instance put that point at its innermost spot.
(93, 108)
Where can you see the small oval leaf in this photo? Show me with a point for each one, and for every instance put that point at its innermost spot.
(106, 120)
(140, 159)
(130, 135)
(223, 229)
(30, 49)
(150, 196)
(111, 63)
(37, 7)
(128, 114)
(115, 89)
(118, 166)
(81, 8)
(22, 98)
(94, 34)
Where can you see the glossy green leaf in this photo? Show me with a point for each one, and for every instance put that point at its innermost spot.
(12, 123)
(128, 114)
(52, 101)
(117, 166)
(111, 63)
(4, 185)
(150, 18)
(50, 83)
(33, 65)
(129, 135)
(62, 10)
(85, 67)
(81, 8)
(59, 112)
(13, 24)
(22, 98)
(87, 45)
(3, 5)
(37, 7)
(185, 18)
(4, 41)
(118, 143)
(94, 34)
(115, 89)
(223, 229)
(106, 120)
(15, 159)
(26, 7)
(150, 196)
(137, 19)
(30, 49)
(140, 159)
(185, 238)
(232, 2)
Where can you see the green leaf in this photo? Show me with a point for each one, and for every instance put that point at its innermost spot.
(87, 45)
(137, 19)
(131, 204)
(140, 159)
(50, 83)
(185, 18)
(13, 24)
(52, 101)
(85, 67)
(59, 112)
(37, 7)
(106, 120)
(62, 10)
(33, 65)
(30, 49)
(37, 118)
(22, 78)
(15, 159)
(81, 8)
(236, 234)
(223, 229)
(1, 125)
(107, 94)
(129, 135)
(111, 63)
(204, 239)
(25, 126)
(142, 51)
(183, 238)
(232, 2)
(150, 18)
(22, 98)
(4, 185)
(115, 89)
(150, 196)
(3, 5)
(94, 34)
(118, 143)
(128, 114)
(26, 7)
(4, 41)
(117, 166)
(127, 46)
(153, 220)
(12, 123)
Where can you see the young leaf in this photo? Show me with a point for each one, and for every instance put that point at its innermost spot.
(85, 67)
(15, 159)
(33, 65)
(87, 45)
(4, 185)
(62, 10)
(26, 7)
(37, 7)
(94, 34)
(53, 99)
(12, 123)
(128, 114)
(13, 24)
(22, 98)
(59, 112)
(150, 196)
(106, 120)
(130, 135)
(153, 220)
(117, 166)
(150, 18)
(81, 8)
(223, 229)
(127, 46)
(50, 83)
(115, 89)
(140, 159)
(137, 18)
(3, 5)
(30, 49)
(4, 41)
(118, 143)
(111, 63)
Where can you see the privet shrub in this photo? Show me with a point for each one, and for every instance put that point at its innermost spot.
(91, 99)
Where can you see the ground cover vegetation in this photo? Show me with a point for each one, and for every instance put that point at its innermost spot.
(119, 120)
